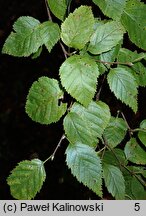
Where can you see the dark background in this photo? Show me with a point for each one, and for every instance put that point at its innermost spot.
(20, 137)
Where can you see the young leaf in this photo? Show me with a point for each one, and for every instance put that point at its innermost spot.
(27, 179)
(142, 134)
(115, 131)
(79, 77)
(29, 36)
(133, 19)
(122, 83)
(134, 152)
(105, 37)
(111, 8)
(85, 165)
(58, 8)
(78, 27)
(96, 116)
(42, 101)
(86, 124)
(114, 181)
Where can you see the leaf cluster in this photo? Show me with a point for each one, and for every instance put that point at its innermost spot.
(94, 153)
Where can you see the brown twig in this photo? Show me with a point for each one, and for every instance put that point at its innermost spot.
(48, 11)
(98, 93)
(130, 64)
(122, 165)
(129, 129)
(58, 145)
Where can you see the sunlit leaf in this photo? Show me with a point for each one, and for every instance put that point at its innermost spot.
(111, 8)
(29, 35)
(26, 179)
(105, 37)
(79, 77)
(58, 8)
(78, 27)
(86, 124)
(42, 101)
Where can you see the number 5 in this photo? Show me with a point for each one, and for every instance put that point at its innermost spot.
(137, 207)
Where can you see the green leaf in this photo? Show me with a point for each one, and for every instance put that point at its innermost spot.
(42, 101)
(85, 165)
(86, 124)
(37, 53)
(134, 188)
(58, 8)
(134, 152)
(138, 170)
(78, 27)
(142, 134)
(115, 131)
(122, 83)
(137, 189)
(138, 69)
(114, 157)
(77, 129)
(49, 34)
(29, 36)
(96, 116)
(126, 55)
(79, 77)
(105, 37)
(111, 8)
(26, 179)
(133, 19)
(110, 55)
(114, 181)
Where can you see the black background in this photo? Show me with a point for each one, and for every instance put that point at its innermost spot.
(20, 137)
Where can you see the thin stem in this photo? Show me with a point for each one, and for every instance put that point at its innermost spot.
(126, 195)
(48, 11)
(64, 50)
(69, 5)
(51, 157)
(102, 151)
(129, 129)
(106, 144)
(130, 64)
(136, 176)
(98, 93)
(122, 165)
(138, 129)
(125, 120)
